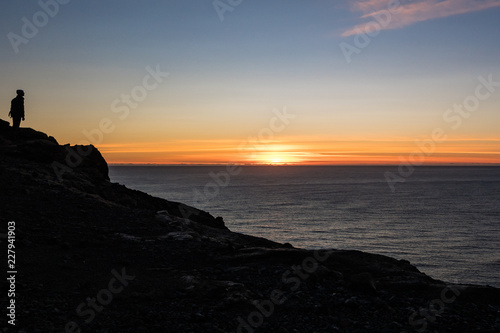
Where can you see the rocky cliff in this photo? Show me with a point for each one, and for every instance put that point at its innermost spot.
(95, 256)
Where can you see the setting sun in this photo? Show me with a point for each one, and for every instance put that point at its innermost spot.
(276, 158)
(278, 154)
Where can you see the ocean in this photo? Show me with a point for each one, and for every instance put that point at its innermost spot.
(444, 220)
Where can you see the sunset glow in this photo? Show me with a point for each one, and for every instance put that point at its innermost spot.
(310, 153)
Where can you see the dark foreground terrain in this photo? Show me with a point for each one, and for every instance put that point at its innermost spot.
(94, 256)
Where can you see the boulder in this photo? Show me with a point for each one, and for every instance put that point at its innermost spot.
(37, 147)
(4, 125)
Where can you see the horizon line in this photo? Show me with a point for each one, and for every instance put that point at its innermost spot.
(303, 165)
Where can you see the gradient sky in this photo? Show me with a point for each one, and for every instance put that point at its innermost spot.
(228, 79)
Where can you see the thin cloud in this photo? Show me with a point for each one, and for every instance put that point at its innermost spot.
(368, 6)
(406, 14)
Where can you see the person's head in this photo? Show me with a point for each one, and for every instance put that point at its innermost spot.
(20, 92)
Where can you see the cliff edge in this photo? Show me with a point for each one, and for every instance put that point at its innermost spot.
(95, 256)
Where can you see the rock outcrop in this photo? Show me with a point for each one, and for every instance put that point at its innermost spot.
(95, 256)
(48, 165)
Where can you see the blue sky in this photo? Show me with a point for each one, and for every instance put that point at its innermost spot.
(226, 77)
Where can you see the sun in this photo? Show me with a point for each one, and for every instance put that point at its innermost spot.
(277, 161)
(273, 154)
(276, 158)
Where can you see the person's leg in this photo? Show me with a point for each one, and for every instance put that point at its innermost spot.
(16, 121)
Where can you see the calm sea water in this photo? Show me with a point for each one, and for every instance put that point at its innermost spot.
(444, 220)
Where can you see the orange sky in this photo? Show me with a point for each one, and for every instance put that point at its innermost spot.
(297, 151)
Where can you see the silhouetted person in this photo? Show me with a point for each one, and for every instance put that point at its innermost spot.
(17, 109)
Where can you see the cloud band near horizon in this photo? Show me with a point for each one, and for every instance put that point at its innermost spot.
(398, 15)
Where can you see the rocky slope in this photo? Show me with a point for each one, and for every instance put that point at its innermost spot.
(94, 256)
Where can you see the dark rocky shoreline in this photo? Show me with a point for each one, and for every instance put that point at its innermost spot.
(97, 256)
